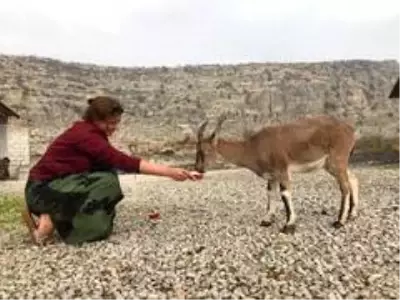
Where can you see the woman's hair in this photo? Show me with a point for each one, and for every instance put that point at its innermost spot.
(101, 108)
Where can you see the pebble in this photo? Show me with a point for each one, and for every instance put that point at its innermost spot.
(210, 245)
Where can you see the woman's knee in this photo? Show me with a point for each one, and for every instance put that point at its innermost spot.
(108, 184)
(90, 227)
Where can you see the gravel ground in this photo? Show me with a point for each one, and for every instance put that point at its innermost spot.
(208, 244)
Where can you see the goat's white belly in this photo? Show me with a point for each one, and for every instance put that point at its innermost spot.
(309, 166)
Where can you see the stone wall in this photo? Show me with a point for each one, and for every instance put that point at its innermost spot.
(18, 147)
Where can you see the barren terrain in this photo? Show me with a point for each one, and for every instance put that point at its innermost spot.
(208, 244)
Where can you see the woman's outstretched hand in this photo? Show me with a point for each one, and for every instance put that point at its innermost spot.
(175, 173)
(180, 174)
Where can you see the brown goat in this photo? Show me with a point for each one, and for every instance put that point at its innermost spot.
(274, 152)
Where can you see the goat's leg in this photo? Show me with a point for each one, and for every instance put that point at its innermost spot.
(339, 171)
(272, 188)
(345, 199)
(285, 191)
(354, 200)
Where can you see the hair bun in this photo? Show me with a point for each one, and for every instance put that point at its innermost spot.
(102, 107)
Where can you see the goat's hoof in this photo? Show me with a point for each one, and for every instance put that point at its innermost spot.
(289, 229)
(337, 225)
(351, 217)
(265, 223)
(324, 212)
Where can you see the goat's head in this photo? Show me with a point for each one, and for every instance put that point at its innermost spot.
(206, 146)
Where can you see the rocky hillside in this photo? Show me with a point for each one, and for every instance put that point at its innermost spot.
(49, 94)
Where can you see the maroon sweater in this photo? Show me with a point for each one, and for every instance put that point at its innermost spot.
(81, 148)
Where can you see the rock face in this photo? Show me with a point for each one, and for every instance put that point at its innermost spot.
(51, 94)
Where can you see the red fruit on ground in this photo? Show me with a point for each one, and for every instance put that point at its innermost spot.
(154, 215)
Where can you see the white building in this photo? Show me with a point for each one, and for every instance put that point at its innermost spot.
(14, 141)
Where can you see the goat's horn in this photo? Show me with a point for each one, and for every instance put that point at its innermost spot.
(201, 129)
(220, 120)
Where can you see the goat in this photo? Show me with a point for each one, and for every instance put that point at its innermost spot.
(275, 152)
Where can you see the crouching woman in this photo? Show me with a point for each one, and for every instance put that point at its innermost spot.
(74, 187)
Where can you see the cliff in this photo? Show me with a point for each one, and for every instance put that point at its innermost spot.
(160, 102)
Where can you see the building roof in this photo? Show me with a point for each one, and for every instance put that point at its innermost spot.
(395, 91)
(5, 110)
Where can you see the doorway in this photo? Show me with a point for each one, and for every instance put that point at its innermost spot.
(3, 137)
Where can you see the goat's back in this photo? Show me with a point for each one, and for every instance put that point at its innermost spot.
(304, 139)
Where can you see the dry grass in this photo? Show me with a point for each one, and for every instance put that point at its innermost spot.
(10, 208)
(377, 144)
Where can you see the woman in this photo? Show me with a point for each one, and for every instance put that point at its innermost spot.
(74, 187)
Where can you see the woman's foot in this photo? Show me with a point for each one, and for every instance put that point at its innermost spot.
(40, 232)
(45, 228)
(30, 224)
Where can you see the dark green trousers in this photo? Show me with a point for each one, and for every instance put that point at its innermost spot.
(81, 206)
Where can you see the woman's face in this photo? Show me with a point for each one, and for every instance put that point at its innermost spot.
(110, 125)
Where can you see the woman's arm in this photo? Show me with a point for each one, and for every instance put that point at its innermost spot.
(150, 168)
(102, 151)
